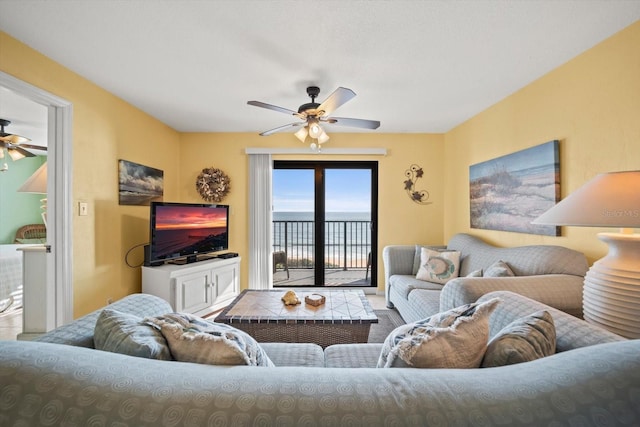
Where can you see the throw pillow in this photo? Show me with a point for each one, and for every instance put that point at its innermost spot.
(192, 339)
(523, 340)
(475, 273)
(499, 269)
(453, 339)
(126, 333)
(438, 266)
(418, 253)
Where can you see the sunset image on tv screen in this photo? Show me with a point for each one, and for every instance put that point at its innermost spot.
(183, 230)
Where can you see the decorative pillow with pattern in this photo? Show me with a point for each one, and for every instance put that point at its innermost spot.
(498, 269)
(193, 339)
(126, 333)
(438, 266)
(453, 339)
(418, 254)
(523, 340)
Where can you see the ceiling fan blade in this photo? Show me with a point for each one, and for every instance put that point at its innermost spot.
(272, 107)
(336, 99)
(22, 153)
(356, 123)
(33, 147)
(282, 128)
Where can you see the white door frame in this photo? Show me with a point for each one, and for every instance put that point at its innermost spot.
(59, 193)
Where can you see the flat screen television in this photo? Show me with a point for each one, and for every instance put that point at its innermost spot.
(186, 230)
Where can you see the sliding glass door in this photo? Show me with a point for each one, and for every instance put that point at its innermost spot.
(334, 200)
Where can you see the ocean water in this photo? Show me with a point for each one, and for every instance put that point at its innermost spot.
(347, 236)
(330, 216)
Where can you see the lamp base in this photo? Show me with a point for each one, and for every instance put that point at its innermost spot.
(611, 295)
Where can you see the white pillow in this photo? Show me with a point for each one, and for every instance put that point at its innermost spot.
(453, 339)
(416, 257)
(192, 339)
(438, 266)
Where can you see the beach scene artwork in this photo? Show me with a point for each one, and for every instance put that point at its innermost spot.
(509, 192)
(139, 184)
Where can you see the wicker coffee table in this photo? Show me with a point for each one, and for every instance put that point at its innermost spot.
(345, 317)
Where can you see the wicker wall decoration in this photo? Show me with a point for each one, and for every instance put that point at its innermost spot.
(213, 184)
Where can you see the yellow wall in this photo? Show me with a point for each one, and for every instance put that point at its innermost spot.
(105, 129)
(401, 221)
(591, 104)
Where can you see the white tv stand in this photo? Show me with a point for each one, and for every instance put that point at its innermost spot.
(198, 288)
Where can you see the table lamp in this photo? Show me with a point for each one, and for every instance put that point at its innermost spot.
(611, 295)
(37, 183)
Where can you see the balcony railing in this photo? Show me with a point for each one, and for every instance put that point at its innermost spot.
(347, 243)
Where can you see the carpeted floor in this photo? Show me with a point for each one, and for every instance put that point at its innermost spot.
(388, 320)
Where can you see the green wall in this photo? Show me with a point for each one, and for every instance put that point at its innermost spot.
(18, 209)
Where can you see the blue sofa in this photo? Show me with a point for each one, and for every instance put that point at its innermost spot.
(594, 379)
(550, 274)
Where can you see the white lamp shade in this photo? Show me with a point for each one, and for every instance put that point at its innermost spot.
(314, 129)
(608, 200)
(36, 183)
(301, 134)
(611, 293)
(323, 137)
(14, 139)
(15, 155)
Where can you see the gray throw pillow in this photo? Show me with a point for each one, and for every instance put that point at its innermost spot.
(498, 269)
(128, 334)
(453, 339)
(523, 340)
(197, 340)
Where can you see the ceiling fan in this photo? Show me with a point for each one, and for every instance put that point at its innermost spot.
(313, 114)
(15, 144)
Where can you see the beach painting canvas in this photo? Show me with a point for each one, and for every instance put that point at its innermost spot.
(138, 184)
(509, 192)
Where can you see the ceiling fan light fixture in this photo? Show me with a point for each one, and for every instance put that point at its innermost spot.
(313, 114)
(9, 137)
(12, 138)
(323, 137)
(314, 129)
(302, 133)
(15, 155)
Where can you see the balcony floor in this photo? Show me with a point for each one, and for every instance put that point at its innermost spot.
(337, 277)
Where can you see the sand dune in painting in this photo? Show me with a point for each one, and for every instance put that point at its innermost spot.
(509, 202)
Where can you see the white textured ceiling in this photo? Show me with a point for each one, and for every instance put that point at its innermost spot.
(417, 66)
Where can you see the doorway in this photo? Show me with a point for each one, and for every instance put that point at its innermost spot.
(59, 202)
(336, 200)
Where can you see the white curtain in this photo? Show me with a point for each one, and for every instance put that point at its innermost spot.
(260, 239)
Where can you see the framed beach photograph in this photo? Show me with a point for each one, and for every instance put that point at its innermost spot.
(509, 192)
(138, 184)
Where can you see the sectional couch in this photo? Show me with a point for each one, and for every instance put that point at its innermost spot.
(550, 274)
(59, 379)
